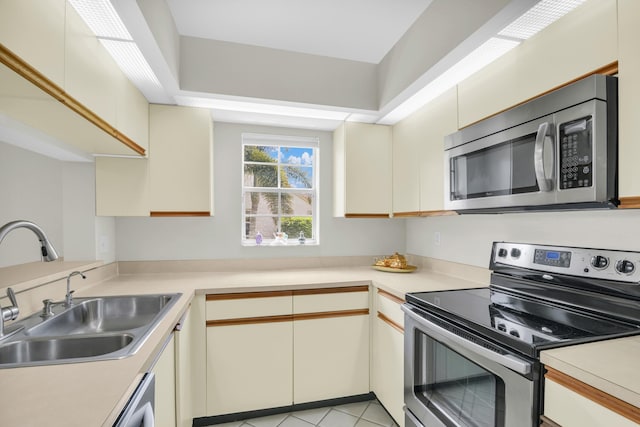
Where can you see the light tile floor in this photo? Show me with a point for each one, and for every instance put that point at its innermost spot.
(360, 414)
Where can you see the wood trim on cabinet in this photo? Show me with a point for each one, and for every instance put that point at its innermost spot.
(390, 296)
(247, 295)
(629, 203)
(365, 215)
(390, 322)
(607, 70)
(23, 69)
(415, 214)
(323, 291)
(330, 314)
(250, 320)
(610, 402)
(406, 214)
(287, 317)
(164, 214)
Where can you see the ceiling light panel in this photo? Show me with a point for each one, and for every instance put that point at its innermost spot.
(538, 17)
(132, 63)
(101, 18)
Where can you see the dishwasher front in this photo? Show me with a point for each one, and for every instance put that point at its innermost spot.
(139, 409)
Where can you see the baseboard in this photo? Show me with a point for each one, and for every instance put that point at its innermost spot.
(237, 416)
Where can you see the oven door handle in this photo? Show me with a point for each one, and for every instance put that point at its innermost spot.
(542, 136)
(515, 364)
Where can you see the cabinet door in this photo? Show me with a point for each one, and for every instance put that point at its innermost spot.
(362, 170)
(628, 95)
(34, 30)
(249, 367)
(165, 391)
(249, 352)
(388, 355)
(180, 159)
(122, 187)
(330, 343)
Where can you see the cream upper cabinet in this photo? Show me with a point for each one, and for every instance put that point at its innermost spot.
(132, 112)
(122, 186)
(628, 94)
(579, 43)
(35, 31)
(181, 159)
(90, 72)
(418, 156)
(362, 170)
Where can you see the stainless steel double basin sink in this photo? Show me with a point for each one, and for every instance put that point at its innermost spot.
(92, 329)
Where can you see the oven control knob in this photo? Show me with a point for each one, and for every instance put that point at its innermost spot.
(599, 262)
(515, 253)
(625, 267)
(514, 333)
(502, 253)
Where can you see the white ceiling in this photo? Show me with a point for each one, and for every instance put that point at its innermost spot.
(359, 30)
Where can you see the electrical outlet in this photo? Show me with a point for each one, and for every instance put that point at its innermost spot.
(436, 238)
(104, 244)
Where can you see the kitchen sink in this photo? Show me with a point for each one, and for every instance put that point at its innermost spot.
(36, 350)
(105, 314)
(92, 329)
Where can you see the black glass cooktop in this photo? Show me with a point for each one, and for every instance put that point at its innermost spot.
(534, 326)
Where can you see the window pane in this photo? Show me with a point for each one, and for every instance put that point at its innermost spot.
(298, 204)
(260, 153)
(295, 224)
(261, 203)
(260, 175)
(296, 156)
(266, 225)
(297, 177)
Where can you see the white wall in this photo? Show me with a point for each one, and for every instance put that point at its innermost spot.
(467, 238)
(59, 197)
(218, 237)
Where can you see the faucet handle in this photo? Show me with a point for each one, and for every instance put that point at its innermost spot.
(12, 297)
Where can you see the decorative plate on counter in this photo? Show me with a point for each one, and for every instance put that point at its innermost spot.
(407, 269)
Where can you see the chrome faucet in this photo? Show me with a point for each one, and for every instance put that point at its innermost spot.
(9, 313)
(67, 298)
(48, 251)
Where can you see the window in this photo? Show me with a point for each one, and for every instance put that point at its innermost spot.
(279, 189)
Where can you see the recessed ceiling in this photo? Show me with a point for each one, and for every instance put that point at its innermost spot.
(359, 30)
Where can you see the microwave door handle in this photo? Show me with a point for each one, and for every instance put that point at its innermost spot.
(538, 157)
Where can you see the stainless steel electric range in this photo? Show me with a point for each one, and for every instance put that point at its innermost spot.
(472, 355)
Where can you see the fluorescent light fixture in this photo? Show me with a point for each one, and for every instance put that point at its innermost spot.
(476, 60)
(256, 107)
(102, 19)
(132, 63)
(538, 17)
(535, 19)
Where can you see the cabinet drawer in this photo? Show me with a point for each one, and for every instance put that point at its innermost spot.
(388, 305)
(249, 305)
(331, 299)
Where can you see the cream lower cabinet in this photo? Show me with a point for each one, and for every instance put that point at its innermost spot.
(165, 391)
(387, 355)
(570, 403)
(330, 343)
(272, 349)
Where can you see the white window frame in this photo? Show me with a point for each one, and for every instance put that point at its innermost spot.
(283, 141)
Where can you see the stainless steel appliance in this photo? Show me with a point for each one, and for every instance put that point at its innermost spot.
(558, 151)
(139, 411)
(472, 355)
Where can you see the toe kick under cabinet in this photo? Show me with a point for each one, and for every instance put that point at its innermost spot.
(278, 348)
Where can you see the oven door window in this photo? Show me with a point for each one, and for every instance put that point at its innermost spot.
(501, 169)
(456, 390)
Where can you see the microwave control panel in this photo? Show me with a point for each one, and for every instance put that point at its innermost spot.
(576, 152)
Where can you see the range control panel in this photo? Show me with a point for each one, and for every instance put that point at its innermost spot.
(605, 264)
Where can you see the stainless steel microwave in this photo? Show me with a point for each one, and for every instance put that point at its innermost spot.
(558, 151)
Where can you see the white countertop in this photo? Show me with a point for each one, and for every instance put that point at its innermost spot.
(93, 393)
